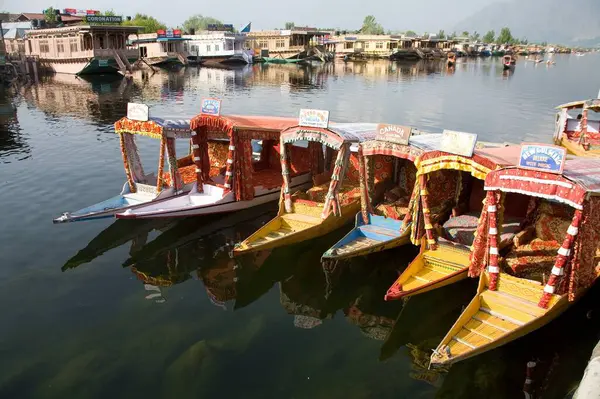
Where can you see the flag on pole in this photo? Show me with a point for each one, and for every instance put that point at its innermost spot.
(246, 28)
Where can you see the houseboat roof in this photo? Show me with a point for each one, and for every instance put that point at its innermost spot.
(334, 136)
(83, 28)
(286, 32)
(593, 104)
(580, 179)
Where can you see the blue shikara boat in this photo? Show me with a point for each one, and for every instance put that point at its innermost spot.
(383, 221)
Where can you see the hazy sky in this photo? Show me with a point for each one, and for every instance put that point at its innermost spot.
(428, 15)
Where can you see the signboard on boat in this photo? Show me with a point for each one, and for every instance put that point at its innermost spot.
(542, 157)
(211, 106)
(314, 118)
(220, 27)
(459, 143)
(137, 112)
(168, 33)
(393, 133)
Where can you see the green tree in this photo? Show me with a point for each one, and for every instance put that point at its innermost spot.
(410, 33)
(50, 15)
(505, 36)
(109, 13)
(149, 24)
(465, 33)
(441, 34)
(199, 23)
(475, 36)
(524, 41)
(489, 37)
(289, 25)
(371, 27)
(452, 35)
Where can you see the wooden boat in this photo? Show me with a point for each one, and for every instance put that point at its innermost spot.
(238, 180)
(445, 213)
(514, 297)
(579, 134)
(331, 202)
(509, 62)
(141, 188)
(382, 227)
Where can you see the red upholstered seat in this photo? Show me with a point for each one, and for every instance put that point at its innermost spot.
(267, 179)
(461, 229)
(348, 193)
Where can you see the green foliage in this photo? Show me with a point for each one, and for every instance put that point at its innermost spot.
(465, 33)
(475, 36)
(410, 33)
(289, 25)
(441, 34)
(452, 35)
(489, 37)
(199, 23)
(524, 41)
(109, 13)
(371, 27)
(50, 15)
(505, 36)
(148, 23)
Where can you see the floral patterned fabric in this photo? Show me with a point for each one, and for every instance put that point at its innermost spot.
(461, 229)
(553, 221)
(348, 193)
(267, 179)
(217, 154)
(533, 260)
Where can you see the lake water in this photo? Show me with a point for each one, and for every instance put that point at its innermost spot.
(78, 321)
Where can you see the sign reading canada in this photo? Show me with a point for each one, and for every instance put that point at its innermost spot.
(314, 118)
(545, 158)
(393, 133)
(459, 143)
(137, 112)
(211, 106)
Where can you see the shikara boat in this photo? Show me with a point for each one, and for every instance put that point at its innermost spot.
(551, 262)
(509, 62)
(445, 213)
(380, 224)
(141, 188)
(239, 179)
(579, 134)
(331, 202)
(451, 59)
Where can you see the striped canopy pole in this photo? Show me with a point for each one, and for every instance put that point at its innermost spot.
(229, 167)
(176, 179)
(365, 201)
(161, 164)
(493, 268)
(426, 212)
(285, 173)
(197, 162)
(583, 127)
(408, 218)
(564, 253)
(335, 181)
(130, 181)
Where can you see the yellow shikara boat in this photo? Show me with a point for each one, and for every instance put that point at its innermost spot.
(450, 198)
(513, 298)
(579, 134)
(334, 199)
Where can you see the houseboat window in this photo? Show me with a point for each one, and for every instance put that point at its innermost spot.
(208, 48)
(163, 47)
(349, 45)
(367, 44)
(280, 43)
(263, 44)
(73, 46)
(44, 48)
(143, 52)
(194, 49)
(379, 45)
(216, 47)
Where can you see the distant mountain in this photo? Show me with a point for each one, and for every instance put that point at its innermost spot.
(575, 22)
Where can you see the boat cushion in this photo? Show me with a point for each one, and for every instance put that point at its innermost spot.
(348, 193)
(552, 221)
(267, 179)
(395, 204)
(461, 229)
(533, 259)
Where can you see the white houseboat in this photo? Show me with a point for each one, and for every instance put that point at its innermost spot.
(163, 48)
(216, 48)
(83, 49)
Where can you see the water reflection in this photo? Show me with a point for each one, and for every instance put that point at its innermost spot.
(12, 141)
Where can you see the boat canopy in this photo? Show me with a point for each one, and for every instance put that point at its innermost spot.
(443, 188)
(579, 187)
(593, 104)
(240, 131)
(163, 129)
(338, 136)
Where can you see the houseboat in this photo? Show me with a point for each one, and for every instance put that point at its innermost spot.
(334, 198)
(369, 46)
(83, 49)
(551, 262)
(282, 43)
(161, 49)
(576, 131)
(445, 212)
(217, 48)
(244, 179)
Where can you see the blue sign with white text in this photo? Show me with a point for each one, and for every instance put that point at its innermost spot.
(211, 106)
(545, 158)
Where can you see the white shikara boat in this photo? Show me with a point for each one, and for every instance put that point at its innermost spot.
(141, 188)
(245, 180)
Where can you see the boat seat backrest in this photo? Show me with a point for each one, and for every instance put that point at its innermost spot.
(552, 221)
